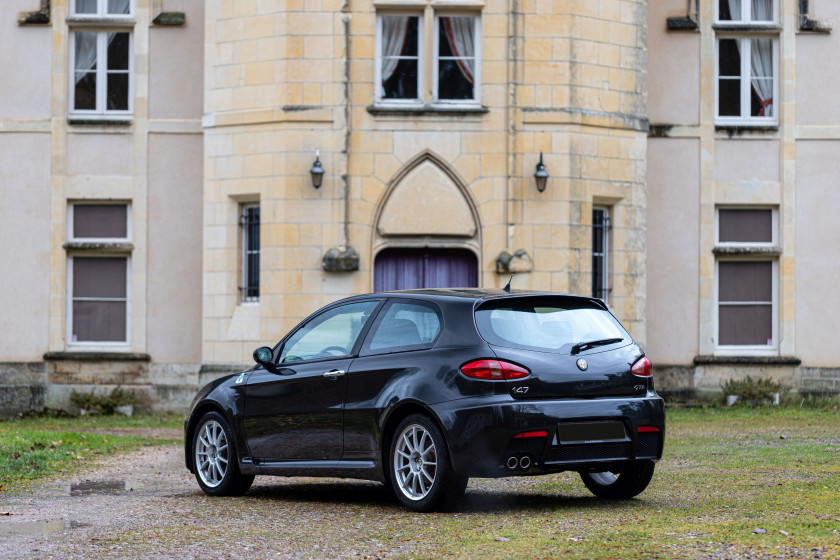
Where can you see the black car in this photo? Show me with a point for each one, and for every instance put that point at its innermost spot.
(423, 389)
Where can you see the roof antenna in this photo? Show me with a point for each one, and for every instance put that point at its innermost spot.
(507, 288)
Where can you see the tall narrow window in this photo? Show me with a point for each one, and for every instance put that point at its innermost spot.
(249, 221)
(101, 80)
(747, 66)
(98, 274)
(600, 253)
(746, 273)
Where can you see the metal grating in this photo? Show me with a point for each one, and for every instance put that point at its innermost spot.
(648, 444)
(588, 452)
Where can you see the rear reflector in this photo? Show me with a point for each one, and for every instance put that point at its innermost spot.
(642, 367)
(542, 433)
(643, 429)
(493, 369)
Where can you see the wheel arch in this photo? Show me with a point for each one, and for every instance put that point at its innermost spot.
(390, 422)
(196, 416)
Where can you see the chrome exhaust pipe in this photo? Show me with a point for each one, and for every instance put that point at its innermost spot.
(512, 462)
(524, 462)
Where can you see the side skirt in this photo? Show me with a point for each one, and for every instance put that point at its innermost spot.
(362, 470)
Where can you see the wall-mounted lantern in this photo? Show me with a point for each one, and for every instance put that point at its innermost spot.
(317, 171)
(541, 176)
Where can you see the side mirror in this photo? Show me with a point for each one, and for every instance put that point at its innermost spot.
(265, 357)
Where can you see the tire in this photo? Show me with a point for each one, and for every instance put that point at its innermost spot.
(215, 460)
(629, 481)
(421, 473)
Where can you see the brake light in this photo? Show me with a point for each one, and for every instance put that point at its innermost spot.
(643, 429)
(642, 367)
(540, 433)
(493, 370)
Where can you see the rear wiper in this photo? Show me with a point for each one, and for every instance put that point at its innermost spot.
(593, 343)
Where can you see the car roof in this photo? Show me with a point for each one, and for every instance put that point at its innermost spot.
(473, 293)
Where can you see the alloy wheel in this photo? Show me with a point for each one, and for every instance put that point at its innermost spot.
(415, 462)
(211, 453)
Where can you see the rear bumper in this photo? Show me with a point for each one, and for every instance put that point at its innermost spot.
(481, 433)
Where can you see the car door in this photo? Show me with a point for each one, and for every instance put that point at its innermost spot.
(296, 412)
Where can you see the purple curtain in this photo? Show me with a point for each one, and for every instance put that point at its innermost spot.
(407, 269)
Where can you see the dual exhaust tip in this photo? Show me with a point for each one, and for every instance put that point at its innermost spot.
(520, 462)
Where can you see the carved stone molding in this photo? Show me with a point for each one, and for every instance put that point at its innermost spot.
(40, 16)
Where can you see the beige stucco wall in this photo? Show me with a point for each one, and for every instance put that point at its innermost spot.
(817, 251)
(175, 236)
(26, 78)
(673, 250)
(176, 64)
(818, 70)
(25, 245)
(673, 92)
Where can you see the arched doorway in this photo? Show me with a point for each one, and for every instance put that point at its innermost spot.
(412, 268)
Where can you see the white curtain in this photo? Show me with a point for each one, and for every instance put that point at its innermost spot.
(394, 34)
(761, 53)
(118, 6)
(85, 53)
(460, 31)
(761, 62)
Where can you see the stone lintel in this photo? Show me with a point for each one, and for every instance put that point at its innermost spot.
(747, 251)
(807, 24)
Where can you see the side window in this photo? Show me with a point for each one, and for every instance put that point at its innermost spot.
(406, 325)
(332, 334)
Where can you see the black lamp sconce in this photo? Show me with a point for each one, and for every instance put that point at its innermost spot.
(317, 171)
(541, 176)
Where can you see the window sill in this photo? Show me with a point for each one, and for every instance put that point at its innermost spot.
(746, 360)
(100, 120)
(98, 355)
(99, 246)
(739, 129)
(96, 21)
(721, 251)
(431, 110)
(748, 28)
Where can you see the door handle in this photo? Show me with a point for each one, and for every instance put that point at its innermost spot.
(334, 374)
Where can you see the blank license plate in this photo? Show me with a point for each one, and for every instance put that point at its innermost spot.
(590, 432)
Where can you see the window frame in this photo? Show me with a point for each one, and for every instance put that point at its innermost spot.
(366, 350)
(746, 12)
(244, 287)
(71, 218)
(606, 234)
(749, 349)
(476, 100)
(101, 11)
(757, 256)
(379, 95)
(774, 217)
(428, 60)
(746, 81)
(101, 112)
(97, 345)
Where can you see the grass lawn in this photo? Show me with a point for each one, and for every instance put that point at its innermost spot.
(37, 448)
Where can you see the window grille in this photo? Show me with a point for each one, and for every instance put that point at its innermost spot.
(600, 253)
(249, 222)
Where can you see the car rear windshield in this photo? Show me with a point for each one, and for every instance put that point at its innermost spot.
(548, 324)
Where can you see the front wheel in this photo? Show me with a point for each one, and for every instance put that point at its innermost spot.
(421, 473)
(628, 481)
(214, 458)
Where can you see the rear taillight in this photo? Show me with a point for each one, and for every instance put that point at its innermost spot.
(642, 367)
(494, 369)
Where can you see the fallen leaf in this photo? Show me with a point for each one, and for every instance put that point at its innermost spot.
(782, 437)
(758, 531)
(785, 533)
(502, 539)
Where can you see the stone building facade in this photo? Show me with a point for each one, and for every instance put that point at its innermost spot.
(182, 181)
